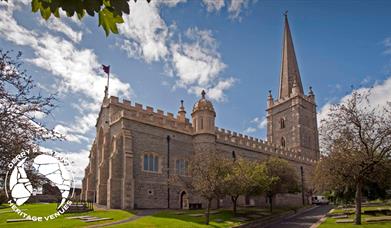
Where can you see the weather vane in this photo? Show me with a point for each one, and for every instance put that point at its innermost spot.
(285, 13)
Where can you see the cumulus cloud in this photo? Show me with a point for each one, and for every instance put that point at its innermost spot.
(256, 124)
(11, 30)
(198, 65)
(77, 70)
(213, 5)
(379, 96)
(58, 25)
(193, 62)
(236, 7)
(145, 32)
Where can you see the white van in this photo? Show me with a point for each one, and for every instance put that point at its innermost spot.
(319, 200)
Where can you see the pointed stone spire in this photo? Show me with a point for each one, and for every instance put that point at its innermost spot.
(290, 74)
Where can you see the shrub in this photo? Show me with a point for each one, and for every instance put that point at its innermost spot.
(3, 197)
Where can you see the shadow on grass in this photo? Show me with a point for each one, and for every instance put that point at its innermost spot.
(224, 217)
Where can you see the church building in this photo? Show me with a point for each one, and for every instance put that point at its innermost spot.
(137, 148)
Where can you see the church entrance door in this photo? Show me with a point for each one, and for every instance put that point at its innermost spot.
(184, 201)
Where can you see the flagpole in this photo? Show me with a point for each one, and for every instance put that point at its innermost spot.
(108, 82)
(106, 69)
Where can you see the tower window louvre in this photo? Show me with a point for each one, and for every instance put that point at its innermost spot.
(282, 123)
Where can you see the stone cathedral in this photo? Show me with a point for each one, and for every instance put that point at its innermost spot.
(137, 148)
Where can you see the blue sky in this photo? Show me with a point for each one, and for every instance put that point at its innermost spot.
(171, 50)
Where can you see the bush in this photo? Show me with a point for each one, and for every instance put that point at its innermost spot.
(3, 197)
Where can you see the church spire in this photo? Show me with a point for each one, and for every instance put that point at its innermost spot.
(290, 74)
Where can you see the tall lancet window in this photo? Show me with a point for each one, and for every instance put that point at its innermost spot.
(282, 123)
(282, 141)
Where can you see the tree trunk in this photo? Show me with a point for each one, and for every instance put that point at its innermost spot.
(207, 212)
(357, 217)
(234, 203)
(271, 204)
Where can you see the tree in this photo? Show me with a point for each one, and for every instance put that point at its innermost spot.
(20, 130)
(357, 139)
(282, 178)
(109, 11)
(244, 177)
(208, 171)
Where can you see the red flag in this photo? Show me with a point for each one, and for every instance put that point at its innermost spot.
(106, 69)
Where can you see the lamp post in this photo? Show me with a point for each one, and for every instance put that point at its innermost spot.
(302, 184)
(168, 171)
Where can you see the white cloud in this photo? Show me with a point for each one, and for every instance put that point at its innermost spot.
(11, 30)
(379, 96)
(58, 25)
(387, 45)
(145, 31)
(194, 64)
(256, 124)
(250, 130)
(236, 7)
(78, 71)
(170, 3)
(79, 161)
(198, 65)
(217, 92)
(213, 5)
(260, 122)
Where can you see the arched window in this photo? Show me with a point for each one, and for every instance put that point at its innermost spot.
(151, 163)
(182, 167)
(282, 123)
(282, 141)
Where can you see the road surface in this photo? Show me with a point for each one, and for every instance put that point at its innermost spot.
(303, 220)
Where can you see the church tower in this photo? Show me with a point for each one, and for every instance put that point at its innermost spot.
(291, 118)
(203, 118)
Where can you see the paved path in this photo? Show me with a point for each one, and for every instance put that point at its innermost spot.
(139, 214)
(302, 220)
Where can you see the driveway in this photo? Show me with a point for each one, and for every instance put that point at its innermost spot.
(303, 220)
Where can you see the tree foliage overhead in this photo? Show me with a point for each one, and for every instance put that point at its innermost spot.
(110, 12)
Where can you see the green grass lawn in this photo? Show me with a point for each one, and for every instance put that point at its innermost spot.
(351, 210)
(331, 222)
(46, 209)
(172, 219)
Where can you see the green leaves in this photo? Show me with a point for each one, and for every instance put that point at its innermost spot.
(109, 20)
(110, 11)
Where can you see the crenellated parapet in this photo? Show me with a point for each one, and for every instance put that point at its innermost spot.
(309, 98)
(148, 115)
(258, 145)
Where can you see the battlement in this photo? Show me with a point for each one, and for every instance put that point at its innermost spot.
(255, 144)
(284, 99)
(148, 115)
